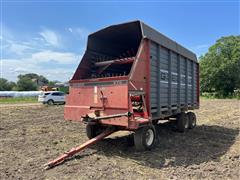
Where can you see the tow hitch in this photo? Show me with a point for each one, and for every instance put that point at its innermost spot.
(79, 148)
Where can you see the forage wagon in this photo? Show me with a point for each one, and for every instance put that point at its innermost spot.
(130, 78)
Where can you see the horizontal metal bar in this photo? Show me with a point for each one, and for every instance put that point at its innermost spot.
(116, 61)
(112, 116)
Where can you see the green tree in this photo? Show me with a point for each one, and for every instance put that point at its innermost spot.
(43, 80)
(52, 83)
(26, 84)
(38, 79)
(6, 85)
(220, 67)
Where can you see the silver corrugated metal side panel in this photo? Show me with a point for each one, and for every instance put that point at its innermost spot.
(173, 81)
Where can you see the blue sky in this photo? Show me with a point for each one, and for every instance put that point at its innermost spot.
(49, 37)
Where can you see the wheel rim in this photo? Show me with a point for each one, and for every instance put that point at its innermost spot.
(149, 137)
(186, 123)
(194, 122)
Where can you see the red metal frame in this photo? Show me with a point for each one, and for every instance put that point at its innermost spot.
(99, 79)
(84, 100)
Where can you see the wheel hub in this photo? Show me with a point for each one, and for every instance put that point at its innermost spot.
(149, 137)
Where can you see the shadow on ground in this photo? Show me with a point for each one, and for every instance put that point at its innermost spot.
(202, 144)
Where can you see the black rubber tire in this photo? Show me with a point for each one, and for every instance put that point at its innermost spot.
(192, 120)
(155, 122)
(50, 102)
(130, 140)
(182, 122)
(93, 130)
(141, 137)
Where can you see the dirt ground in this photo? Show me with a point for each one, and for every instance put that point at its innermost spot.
(31, 136)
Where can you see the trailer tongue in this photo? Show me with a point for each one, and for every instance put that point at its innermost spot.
(73, 151)
(77, 149)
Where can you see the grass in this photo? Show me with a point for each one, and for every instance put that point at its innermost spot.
(219, 97)
(215, 95)
(16, 100)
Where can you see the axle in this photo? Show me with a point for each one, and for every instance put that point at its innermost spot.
(96, 119)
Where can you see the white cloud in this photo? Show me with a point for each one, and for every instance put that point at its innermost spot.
(31, 54)
(79, 32)
(19, 49)
(13, 67)
(51, 37)
(38, 63)
(59, 57)
(16, 48)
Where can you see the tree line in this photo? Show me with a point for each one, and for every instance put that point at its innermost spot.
(26, 82)
(220, 68)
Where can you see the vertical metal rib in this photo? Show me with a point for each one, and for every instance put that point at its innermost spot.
(192, 83)
(178, 81)
(169, 80)
(158, 81)
(186, 82)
